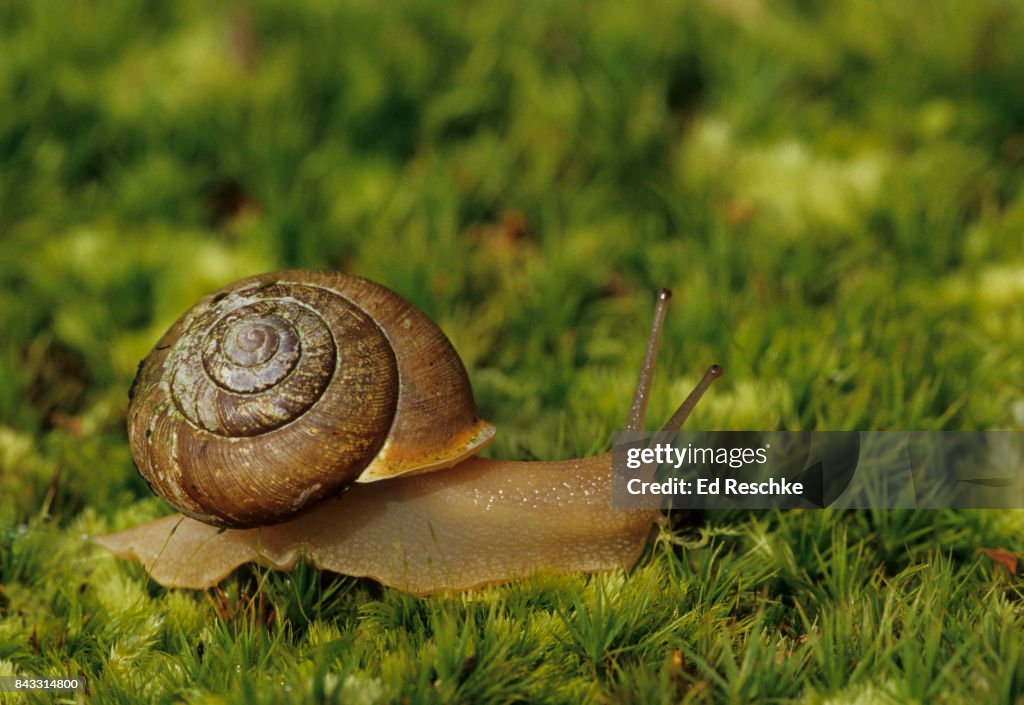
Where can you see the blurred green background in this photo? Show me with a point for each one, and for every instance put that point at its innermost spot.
(835, 191)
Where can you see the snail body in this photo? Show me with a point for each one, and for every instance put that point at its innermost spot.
(313, 415)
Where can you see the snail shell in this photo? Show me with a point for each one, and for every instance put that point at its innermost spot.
(283, 389)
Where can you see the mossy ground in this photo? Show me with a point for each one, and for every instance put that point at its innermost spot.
(833, 189)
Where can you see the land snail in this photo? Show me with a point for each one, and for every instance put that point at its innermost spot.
(309, 415)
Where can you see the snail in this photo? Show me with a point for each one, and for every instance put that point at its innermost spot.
(319, 416)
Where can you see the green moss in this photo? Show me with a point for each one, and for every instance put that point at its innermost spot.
(833, 190)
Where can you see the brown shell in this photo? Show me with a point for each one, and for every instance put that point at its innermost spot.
(282, 389)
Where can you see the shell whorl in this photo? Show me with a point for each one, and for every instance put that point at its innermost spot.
(283, 389)
(264, 364)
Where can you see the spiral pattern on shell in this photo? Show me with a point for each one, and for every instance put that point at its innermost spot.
(264, 364)
(283, 389)
(278, 395)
